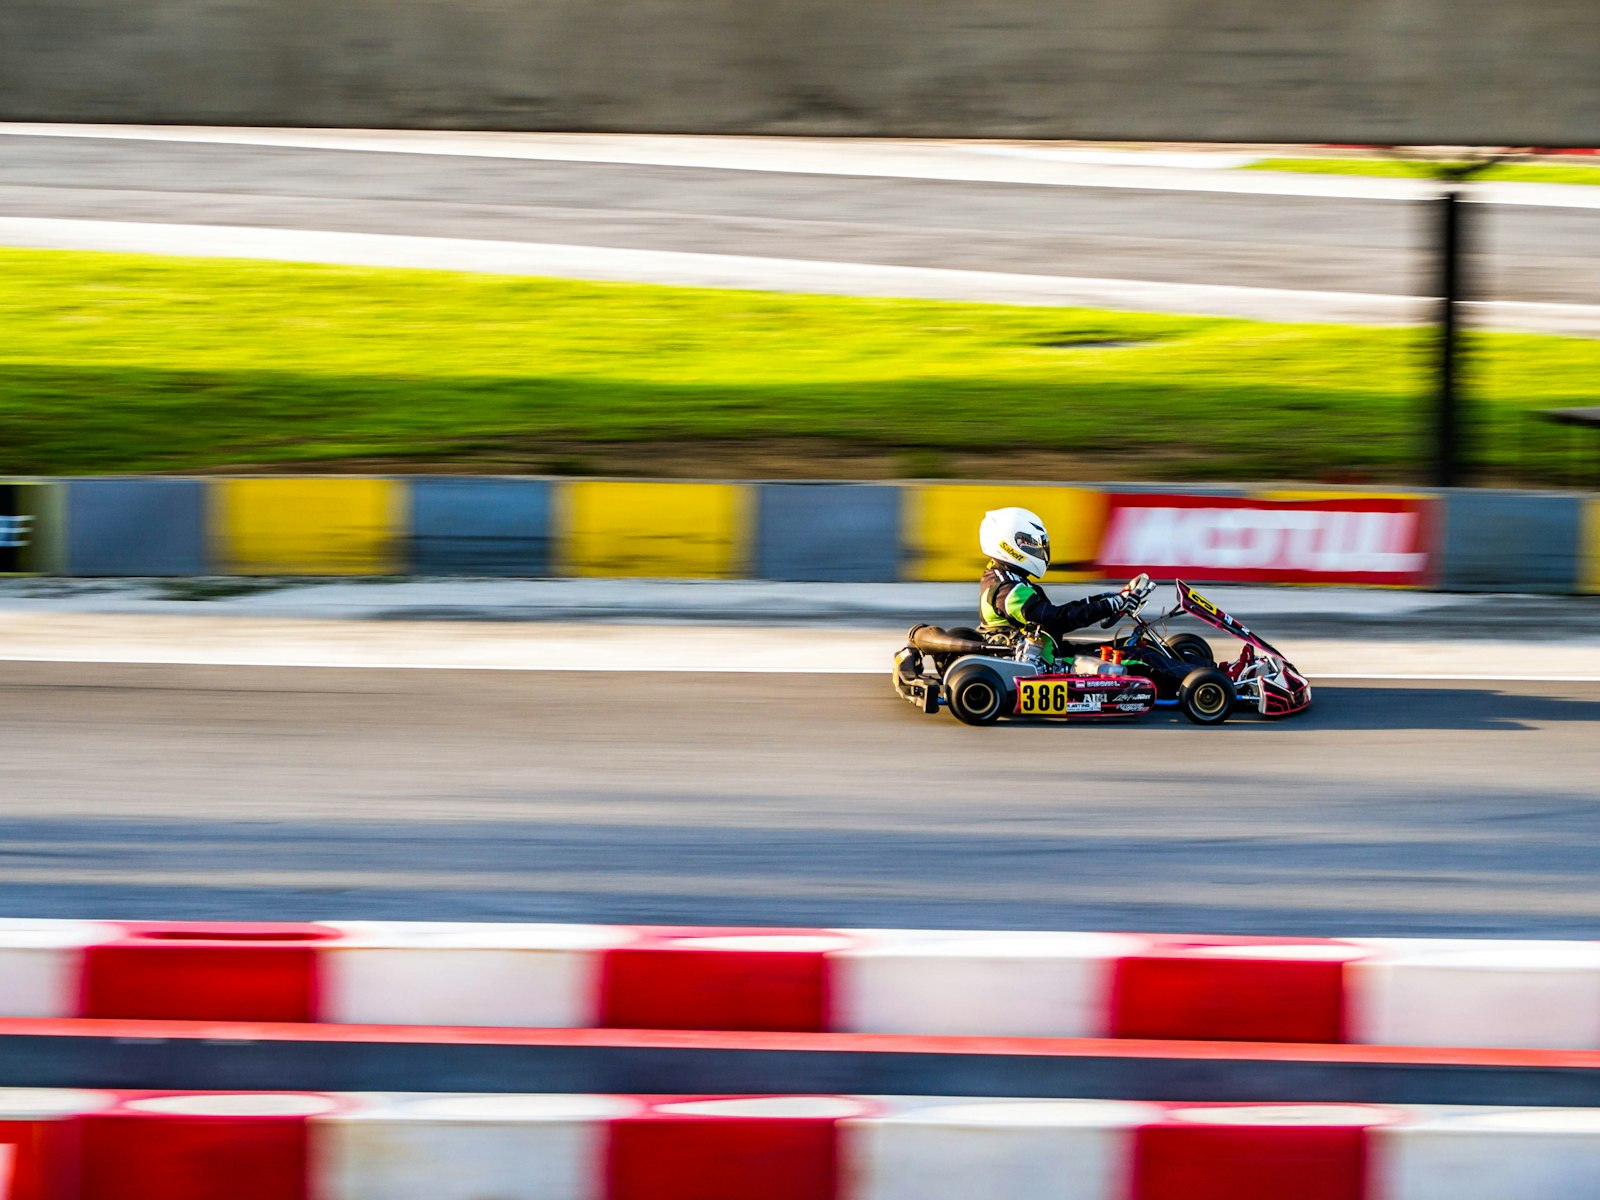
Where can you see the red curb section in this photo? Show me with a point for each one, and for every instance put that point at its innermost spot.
(1194, 988)
(263, 1145)
(905, 982)
(672, 978)
(189, 970)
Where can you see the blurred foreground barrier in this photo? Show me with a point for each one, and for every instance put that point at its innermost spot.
(1378, 991)
(865, 532)
(91, 1145)
(99, 1053)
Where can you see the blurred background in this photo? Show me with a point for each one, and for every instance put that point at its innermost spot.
(466, 467)
(688, 343)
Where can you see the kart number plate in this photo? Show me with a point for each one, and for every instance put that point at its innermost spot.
(1084, 696)
(1046, 697)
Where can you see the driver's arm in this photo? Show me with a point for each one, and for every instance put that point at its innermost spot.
(1028, 604)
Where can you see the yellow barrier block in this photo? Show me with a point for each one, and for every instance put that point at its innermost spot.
(654, 530)
(940, 527)
(308, 526)
(1589, 551)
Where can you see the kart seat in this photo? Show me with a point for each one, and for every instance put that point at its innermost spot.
(930, 639)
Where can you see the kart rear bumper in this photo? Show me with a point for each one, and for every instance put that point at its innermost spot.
(913, 686)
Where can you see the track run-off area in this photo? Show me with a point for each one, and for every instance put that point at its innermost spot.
(947, 220)
(1446, 808)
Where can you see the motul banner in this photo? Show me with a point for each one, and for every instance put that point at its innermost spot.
(1355, 540)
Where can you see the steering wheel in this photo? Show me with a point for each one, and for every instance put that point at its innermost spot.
(1139, 587)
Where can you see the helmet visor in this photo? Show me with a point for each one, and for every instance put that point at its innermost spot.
(1035, 544)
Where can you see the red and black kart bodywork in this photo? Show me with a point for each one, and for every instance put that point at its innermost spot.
(1262, 673)
(981, 676)
(1084, 696)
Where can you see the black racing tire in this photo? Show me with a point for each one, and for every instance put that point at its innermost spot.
(1206, 696)
(1192, 648)
(975, 694)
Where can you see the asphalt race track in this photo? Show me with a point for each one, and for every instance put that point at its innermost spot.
(1316, 243)
(1393, 808)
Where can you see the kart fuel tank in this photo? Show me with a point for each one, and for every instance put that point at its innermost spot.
(1083, 664)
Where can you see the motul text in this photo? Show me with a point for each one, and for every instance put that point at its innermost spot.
(1360, 540)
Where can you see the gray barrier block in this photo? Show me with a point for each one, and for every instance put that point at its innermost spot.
(1510, 541)
(829, 532)
(136, 527)
(480, 526)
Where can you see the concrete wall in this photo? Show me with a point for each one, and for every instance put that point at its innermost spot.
(1390, 71)
(1460, 540)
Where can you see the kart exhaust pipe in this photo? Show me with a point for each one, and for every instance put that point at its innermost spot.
(930, 639)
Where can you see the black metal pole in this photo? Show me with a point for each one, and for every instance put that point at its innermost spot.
(1447, 449)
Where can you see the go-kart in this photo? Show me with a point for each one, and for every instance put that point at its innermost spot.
(982, 675)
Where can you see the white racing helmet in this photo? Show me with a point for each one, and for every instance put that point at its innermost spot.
(1017, 537)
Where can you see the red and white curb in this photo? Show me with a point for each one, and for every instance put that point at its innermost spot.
(1379, 991)
(94, 1145)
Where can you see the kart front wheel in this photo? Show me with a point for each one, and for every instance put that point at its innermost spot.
(976, 694)
(1192, 648)
(1206, 696)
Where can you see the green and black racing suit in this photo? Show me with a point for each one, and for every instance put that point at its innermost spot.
(1008, 597)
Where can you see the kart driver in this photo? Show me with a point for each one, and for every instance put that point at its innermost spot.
(1019, 553)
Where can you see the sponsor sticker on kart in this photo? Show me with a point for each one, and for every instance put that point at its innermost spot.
(1353, 540)
(1078, 695)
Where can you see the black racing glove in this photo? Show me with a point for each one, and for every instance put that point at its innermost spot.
(1112, 604)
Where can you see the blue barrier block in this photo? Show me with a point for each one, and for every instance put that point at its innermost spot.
(833, 532)
(1511, 541)
(480, 526)
(136, 527)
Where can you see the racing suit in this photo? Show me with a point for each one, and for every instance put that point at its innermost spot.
(1008, 597)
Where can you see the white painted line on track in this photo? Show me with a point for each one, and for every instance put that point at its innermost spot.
(746, 272)
(947, 161)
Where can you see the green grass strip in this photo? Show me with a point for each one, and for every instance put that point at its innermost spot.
(113, 363)
(1389, 168)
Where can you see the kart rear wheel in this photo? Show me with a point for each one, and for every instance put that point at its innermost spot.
(975, 693)
(1206, 696)
(1192, 648)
